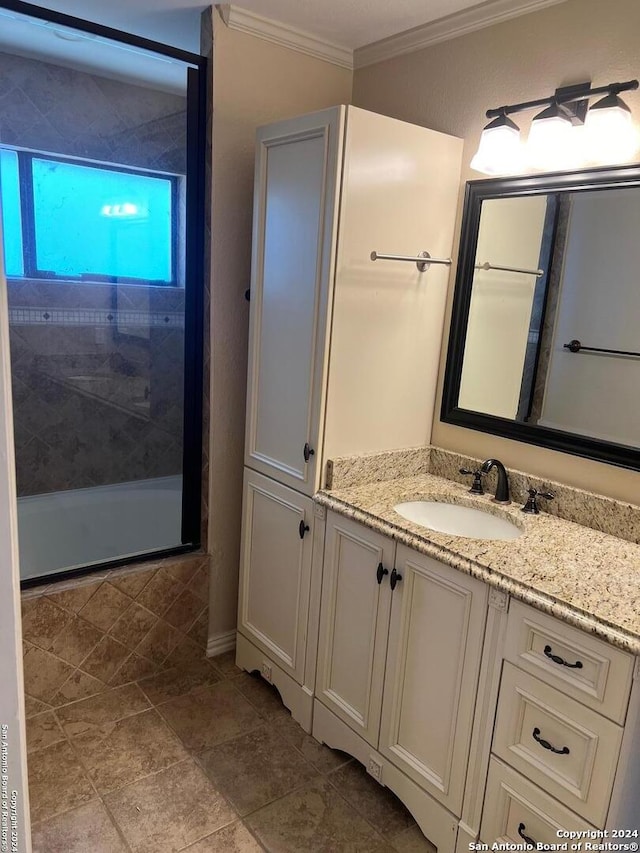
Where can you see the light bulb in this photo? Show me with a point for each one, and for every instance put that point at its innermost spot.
(499, 151)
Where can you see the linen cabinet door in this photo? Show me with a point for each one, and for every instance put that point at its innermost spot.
(275, 571)
(435, 645)
(354, 623)
(297, 165)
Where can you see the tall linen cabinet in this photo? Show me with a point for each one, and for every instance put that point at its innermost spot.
(343, 351)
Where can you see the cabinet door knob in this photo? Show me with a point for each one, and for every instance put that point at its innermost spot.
(395, 578)
(308, 452)
(381, 572)
(561, 661)
(302, 529)
(546, 745)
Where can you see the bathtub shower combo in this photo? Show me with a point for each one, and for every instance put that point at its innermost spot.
(82, 527)
(100, 242)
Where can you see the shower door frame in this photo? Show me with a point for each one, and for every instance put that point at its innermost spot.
(194, 275)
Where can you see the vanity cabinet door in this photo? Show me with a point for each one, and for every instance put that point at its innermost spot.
(275, 571)
(433, 662)
(354, 623)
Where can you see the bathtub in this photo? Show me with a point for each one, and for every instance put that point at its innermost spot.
(64, 530)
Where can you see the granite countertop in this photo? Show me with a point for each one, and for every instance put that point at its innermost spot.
(587, 578)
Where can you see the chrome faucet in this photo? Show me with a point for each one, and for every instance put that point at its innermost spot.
(502, 489)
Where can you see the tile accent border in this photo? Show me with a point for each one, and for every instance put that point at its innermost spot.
(94, 317)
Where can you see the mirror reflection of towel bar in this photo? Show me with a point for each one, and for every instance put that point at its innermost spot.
(423, 265)
(487, 266)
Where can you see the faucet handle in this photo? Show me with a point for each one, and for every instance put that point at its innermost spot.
(531, 506)
(476, 488)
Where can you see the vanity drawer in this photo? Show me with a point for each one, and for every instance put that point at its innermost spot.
(563, 747)
(516, 811)
(582, 666)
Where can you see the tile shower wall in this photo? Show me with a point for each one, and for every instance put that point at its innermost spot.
(97, 369)
(84, 637)
(97, 383)
(60, 110)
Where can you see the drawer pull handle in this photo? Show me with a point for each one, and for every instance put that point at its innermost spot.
(526, 838)
(561, 661)
(308, 452)
(545, 743)
(302, 529)
(381, 572)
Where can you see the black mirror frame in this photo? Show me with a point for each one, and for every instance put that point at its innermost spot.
(475, 193)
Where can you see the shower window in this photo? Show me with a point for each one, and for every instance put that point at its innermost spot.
(132, 217)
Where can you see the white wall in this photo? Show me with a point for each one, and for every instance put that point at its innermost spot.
(500, 312)
(599, 305)
(11, 684)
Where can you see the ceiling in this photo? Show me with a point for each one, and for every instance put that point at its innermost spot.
(349, 23)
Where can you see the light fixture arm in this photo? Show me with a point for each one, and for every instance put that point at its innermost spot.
(565, 95)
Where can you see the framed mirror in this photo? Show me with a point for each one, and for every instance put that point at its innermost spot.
(545, 332)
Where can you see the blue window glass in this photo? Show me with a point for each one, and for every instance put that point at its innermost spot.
(11, 216)
(98, 221)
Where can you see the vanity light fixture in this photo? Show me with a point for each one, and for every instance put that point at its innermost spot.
(567, 132)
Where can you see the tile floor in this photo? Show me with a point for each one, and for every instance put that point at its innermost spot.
(204, 759)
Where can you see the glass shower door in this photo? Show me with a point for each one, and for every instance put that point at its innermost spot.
(96, 188)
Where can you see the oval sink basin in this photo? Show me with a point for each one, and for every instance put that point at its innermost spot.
(458, 520)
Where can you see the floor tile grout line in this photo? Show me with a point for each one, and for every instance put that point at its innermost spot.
(299, 787)
(88, 773)
(94, 695)
(111, 722)
(209, 835)
(193, 750)
(98, 794)
(195, 689)
(363, 816)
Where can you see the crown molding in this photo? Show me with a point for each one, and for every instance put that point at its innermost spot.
(285, 36)
(458, 24)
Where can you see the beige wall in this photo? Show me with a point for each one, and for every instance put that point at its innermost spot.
(255, 82)
(449, 86)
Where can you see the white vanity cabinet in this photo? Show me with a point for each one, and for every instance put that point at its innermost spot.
(398, 668)
(338, 345)
(490, 720)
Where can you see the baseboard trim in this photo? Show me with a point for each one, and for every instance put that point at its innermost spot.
(220, 643)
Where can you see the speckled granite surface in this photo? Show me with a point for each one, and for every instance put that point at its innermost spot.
(588, 508)
(586, 577)
(376, 467)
